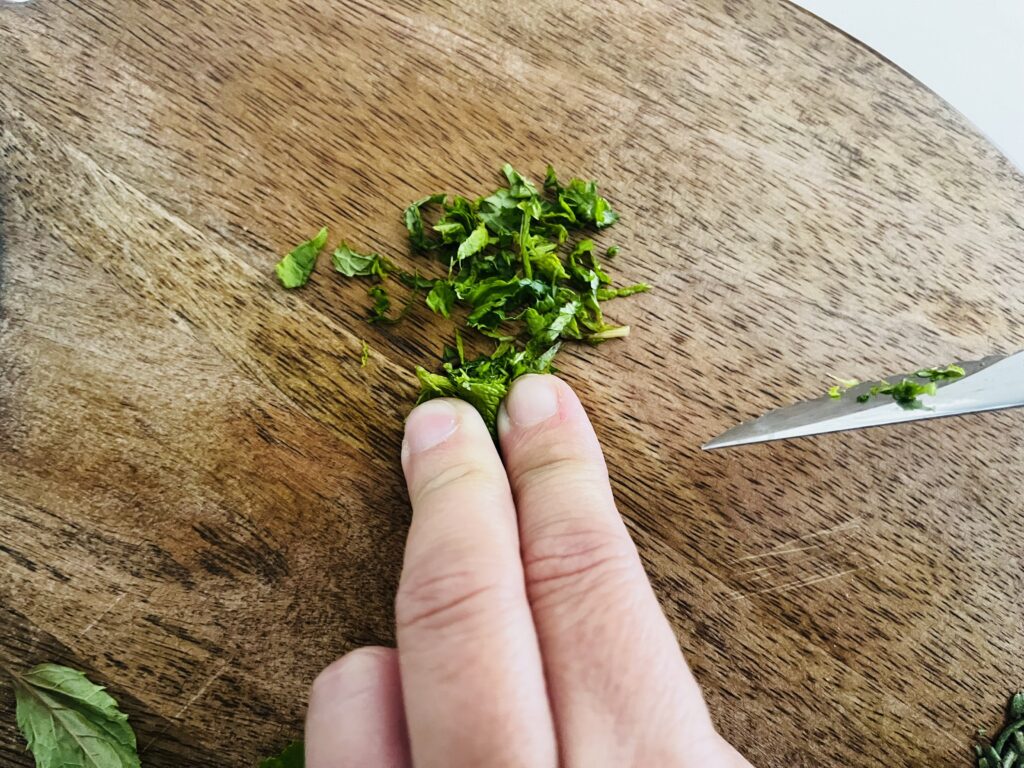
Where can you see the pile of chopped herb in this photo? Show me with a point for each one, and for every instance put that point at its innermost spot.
(907, 392)
(513, 268)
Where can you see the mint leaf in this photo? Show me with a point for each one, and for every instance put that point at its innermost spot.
(441, 297)
(501, 212)
(518, 186)
(70, 722)
(475, 243)
(414, 220)
(354, 264)
(295, 268)
(458, 220)
(293, 756)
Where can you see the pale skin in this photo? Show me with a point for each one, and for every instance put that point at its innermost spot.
(528, 633)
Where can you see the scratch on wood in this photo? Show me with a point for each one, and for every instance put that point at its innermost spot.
(781, 549)
(177, 715)
(794, 585)
(99, 618)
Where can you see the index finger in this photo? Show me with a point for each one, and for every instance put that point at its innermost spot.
(470, 664)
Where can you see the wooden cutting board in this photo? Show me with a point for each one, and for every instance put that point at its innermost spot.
(200, 498)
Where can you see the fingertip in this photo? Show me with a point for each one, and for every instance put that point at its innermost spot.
(351, 674)
(539, 409)
(532, 400)
(355, 715)
(429, 425)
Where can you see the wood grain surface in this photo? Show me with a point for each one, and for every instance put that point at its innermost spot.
(200, 498)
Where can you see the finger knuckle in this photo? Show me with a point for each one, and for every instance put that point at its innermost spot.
(460, 473)
(571, 557)
(551, 467)
(447, 599)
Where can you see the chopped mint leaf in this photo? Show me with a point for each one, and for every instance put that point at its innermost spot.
(612, 252)
(518, 186)
(941, 374)
(441, 297)
(364, 357)
(295, 268)
(475, 243)
(414, 220)
(907, 392)
(382, 306)
(354, 264)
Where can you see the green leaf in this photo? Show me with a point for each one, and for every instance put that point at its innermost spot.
(518, 186)
(354, 264)
(70, 722)
(612, 252)
(382, 306)
(483, 393)
(414, 220)
(441, 297)
(364, 356)
(460, 217)
(295, 268)
(501, 213)
(494, 297)
(293, 756)
(551, 179)
(581, 198)
(475, 243)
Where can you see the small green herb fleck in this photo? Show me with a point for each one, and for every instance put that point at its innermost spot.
(836, 390)
(475, 243)
(295, 268)
(293, 756)
(364, 357)
(907, 392)
(382, 306)
(941, 374)
(612, 252)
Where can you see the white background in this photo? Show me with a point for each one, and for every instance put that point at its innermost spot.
(970, 52)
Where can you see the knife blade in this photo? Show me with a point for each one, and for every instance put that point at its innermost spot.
(990, 384)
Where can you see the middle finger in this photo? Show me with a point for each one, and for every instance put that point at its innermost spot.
(470, 662)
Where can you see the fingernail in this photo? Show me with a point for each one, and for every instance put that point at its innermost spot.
(428, 425)
(533, 399)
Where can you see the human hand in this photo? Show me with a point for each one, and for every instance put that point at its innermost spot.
(528, 633)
